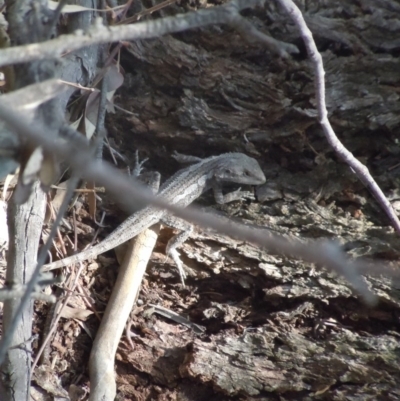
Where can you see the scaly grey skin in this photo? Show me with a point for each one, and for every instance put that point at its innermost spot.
(181, 189)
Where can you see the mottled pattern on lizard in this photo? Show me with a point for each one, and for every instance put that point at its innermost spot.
(181, 189)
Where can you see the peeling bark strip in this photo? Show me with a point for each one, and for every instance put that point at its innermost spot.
(25, 221)
(27, 24)
(120, 304)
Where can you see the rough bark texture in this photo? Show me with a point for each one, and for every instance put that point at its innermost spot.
(24, 222)
(27, 24)
(273, 328)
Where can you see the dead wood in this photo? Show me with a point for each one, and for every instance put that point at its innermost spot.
(26, 26)
(274, 327)
(122, 300)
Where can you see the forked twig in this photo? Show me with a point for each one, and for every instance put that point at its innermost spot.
(360, 170)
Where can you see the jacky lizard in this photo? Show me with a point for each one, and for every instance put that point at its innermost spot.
(181, 189)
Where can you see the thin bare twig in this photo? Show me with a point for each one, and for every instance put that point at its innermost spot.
(100, 131)
(224, 14)
(360, 170)
(56, 318)
(323, 253)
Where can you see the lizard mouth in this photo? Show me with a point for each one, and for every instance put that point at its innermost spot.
(251, 181)
(256, 180)
(260, 180)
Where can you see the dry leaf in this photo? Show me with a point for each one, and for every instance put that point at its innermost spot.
(114, 79)
(75, 313)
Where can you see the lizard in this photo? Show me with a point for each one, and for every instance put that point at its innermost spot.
(181, 189)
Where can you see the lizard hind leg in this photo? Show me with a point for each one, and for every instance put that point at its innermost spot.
(177, 240)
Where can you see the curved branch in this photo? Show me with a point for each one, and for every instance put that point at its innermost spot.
(122, 300)
(360, 170)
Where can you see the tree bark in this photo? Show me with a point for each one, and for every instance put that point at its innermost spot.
(27, 24)
(25, 222)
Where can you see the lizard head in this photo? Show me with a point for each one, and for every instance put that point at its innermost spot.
(240, 169)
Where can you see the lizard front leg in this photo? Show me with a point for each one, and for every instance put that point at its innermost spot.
(220, 198)
(152, 179)
(177, 240)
